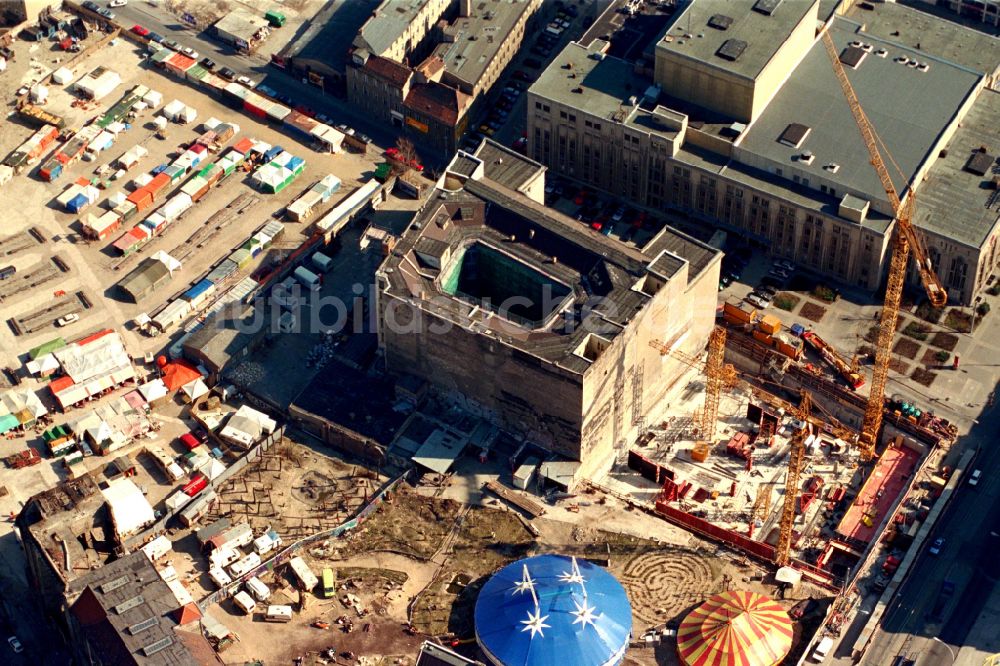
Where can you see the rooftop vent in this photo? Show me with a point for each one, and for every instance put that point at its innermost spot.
(881, 53)
(832, 167)
(853, 56)
(855, 44)
(578, 90)
(153, 648)
(720, 22)
(923, 67)
(979, 163)
(912, 64)
(732, 49)
(794, 135)
(807, 157)
(867, 48)
(902, 60)
(766, 7)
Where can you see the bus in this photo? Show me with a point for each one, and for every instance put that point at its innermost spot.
(328, 590)
(307, 579)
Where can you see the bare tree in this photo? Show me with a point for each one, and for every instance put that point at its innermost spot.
(407, 156)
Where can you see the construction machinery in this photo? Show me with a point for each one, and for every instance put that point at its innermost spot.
(718, 374)
(796, 456)
(905, 240)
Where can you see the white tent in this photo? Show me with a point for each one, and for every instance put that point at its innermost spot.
(130, 511)
(154, 390)
(20, 400)
(212, 469)
(177, 500)
(195, 389)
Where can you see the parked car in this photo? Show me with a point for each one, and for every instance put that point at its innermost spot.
(784, 264)
(532, 63)
(936, 547)
(117, 3)
(91, 5)
(619, 213)
(756, 301)
(68, 319)
(171, 44)
(139, 30)
(226, 73)
(724, 281)
(190, 52)
(247, 81)
(106, 13)
(772, 282)
(155, 37)
(778, 274)
(208, 63)
(15, 645)
(974, 477)
(767, 290)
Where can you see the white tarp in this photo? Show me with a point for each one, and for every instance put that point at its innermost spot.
(130, 511)
(96, 360)
(153, 390)
(22, 399)
(157, 548)
(195, 389)
(177, 500)
(212, 468)
(42, 365)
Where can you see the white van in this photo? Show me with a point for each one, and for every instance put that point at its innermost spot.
(245, 566)
(219, 576)
(267, 542)
(278, 613)
(244, 602)
(258, 589)
(222, 557)
(820, 652)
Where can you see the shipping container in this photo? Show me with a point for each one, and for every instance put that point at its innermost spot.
(769, 324)
(734, 314)
(307, 278)
(158, 183)
(195, 485)
(199, 293)
(195, 188)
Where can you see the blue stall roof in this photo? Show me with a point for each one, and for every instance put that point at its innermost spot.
(551, 610)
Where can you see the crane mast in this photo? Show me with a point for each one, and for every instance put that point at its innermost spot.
(905, 241)
(796, 456)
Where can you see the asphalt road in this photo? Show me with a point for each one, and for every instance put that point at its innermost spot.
(971, 529)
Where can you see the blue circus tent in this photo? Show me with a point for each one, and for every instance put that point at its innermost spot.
(552, 610)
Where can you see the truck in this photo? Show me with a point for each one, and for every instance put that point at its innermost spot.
(244, 602)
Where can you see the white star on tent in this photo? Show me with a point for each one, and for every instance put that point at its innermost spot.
(535, 623)
(584, 614)
(571, 577)
(525, 584)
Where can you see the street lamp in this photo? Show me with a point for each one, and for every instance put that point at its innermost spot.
(954, 657)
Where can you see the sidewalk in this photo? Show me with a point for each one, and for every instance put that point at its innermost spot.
(983, 640)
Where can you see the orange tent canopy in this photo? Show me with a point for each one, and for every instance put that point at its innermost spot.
(179, 373)
(735, 629)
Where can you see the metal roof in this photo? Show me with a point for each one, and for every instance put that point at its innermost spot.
(909, 108)
(553, 609)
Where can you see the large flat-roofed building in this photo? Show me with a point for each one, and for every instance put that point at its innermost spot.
(547, 328)
(421, 65)
(731, 57)
(797, 179)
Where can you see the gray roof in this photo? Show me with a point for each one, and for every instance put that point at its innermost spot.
(506, 166)
(328, 36)
(910, 26)
(479, 38)
(387, 23)
(630, 36)
(954, 202)
(219, 340)
(130, 621)
(910, 109)
(149, 274)
(605, 84)
(762, 34)
(240, 22)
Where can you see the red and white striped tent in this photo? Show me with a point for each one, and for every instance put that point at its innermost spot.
(735, 629)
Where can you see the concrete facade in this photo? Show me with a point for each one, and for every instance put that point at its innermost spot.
(594, 118)
(580, 380)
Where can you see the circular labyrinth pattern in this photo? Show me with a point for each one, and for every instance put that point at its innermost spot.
(660, 585)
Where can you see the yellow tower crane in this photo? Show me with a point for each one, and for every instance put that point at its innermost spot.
(718, 375)
(905, 240)
(796, 456)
